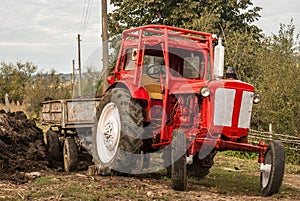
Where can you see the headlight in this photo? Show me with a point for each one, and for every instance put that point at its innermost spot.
(205, 92)
(256, 98)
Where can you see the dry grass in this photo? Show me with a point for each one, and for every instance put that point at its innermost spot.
(231, 178)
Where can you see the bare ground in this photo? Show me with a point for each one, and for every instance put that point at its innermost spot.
(25, 175)
(78, 186)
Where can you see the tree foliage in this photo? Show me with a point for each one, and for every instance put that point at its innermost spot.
(278, 82)
(91, 83)
(45, 86)
(14, 78)
(205, 15)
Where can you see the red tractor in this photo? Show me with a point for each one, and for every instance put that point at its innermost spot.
(168, 96)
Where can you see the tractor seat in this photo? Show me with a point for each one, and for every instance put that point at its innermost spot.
(152, 86)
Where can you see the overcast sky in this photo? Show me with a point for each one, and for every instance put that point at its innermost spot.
(45, 31)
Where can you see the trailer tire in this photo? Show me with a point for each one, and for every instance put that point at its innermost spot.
(70, 153)
(271, 178)
(178, 155)
(117, 133)
(53, 146)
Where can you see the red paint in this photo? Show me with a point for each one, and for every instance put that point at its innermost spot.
(181, 106)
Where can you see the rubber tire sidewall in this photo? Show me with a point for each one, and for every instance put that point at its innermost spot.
(70, 155)
(130, 140)
(53, 146)
(276, 148)
(179, 165)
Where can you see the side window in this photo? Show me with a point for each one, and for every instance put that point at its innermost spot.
(194, 66)
(209, 76)
(130, 59)
(153, 64)
(191, 67)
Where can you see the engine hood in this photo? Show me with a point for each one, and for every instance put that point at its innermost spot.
(193, 86)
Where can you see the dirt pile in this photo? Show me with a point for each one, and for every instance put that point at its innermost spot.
(22, 148)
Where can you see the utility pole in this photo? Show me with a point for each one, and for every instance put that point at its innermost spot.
(73, 74)
(105, 39)
(79, 66)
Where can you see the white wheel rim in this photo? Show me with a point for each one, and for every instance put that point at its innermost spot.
(266, 172)
(108, 133)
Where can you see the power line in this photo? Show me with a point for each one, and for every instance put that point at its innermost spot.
(86, 16)
(82, 16)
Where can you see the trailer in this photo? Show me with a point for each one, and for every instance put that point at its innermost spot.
(70, 131)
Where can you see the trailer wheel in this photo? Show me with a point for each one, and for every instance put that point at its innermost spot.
(116, 133)
(70, 154)
(178, 155)
(272, 173)
(52, 146)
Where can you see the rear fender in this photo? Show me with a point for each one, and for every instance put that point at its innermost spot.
(137, 93)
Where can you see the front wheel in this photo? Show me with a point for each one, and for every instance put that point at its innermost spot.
(272, 170)
(178, 157)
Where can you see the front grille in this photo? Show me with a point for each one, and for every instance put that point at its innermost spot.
(224, 108)
(246, 110)
(224, 103)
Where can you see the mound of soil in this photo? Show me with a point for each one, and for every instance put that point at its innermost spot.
(22, 148)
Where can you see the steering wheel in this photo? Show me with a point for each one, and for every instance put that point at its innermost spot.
(155, 70)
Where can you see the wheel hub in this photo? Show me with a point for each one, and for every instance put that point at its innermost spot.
(110, 140)
(108, 133)
(266, 171)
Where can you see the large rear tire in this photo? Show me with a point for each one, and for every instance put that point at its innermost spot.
(70, 153)
(272, 174)
(117, 133)
(178, 155)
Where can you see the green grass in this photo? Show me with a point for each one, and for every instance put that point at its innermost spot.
(236, 176)
(47, 180)
(250, 164)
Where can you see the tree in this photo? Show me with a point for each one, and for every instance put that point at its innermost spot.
(204, 15)
(278, 82)
(14, 78)
(45, 86)
(91, 83)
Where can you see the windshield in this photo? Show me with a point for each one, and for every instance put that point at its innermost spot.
(187, 63)
(183, 63)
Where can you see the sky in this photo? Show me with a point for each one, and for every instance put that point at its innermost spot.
(44, 32)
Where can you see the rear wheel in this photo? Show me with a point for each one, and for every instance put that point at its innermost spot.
(272, 170)
(178, 157)
(197, 170)
(200, 168)
(70, 153)
(116, 133)
(52, 146)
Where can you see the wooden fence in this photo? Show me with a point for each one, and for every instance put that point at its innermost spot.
(290, 142)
